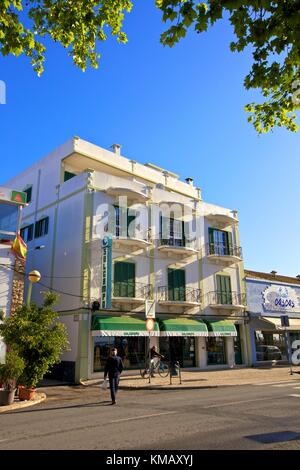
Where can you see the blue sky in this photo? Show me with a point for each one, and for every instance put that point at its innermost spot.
(179, 108)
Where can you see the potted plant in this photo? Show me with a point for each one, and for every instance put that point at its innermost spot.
(9, 374)
(39, 338)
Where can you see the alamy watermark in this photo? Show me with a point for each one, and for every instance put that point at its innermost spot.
(2, 92)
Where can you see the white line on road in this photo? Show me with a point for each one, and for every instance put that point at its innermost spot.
(270, 383)
(235, 403)
(142, 417)
(294, 395)
(284, 385)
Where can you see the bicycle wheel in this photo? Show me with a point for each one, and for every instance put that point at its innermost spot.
(163, 369)
(144, 372)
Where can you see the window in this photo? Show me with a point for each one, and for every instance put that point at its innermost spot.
(41, 227)
(68, 175)
(8, 220)
(176, 284)
(28, 192)
(220, 242)
(124, 279)
(215, 347)
(130, 225)
(27, 233)
(270, 346)
(172, 231)
(224, 294)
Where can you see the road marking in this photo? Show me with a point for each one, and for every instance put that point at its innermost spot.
(235, 403)
(285, 385)
(294, 395)
(3, 440)
(269, 383)
(142, 417)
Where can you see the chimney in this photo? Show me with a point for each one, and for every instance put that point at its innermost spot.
(116, 148)
(189, 181)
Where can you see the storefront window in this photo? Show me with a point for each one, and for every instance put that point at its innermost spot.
(131, 350)
(178, 348)
(215, 347)
(270, 346)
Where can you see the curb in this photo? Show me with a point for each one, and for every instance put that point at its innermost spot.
(24, 404)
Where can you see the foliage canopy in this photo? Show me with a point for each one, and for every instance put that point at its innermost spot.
(270, 28)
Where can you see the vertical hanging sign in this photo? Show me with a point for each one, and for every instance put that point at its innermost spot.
(106, 272)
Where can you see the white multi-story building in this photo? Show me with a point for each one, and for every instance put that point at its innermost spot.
(119, 233)
(11, 269)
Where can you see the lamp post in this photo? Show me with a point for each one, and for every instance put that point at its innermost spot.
(33, 276)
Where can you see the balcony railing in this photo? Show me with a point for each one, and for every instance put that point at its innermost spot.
(171, 242)
(222, 249)
(130, 289)
(144, 235)
(178, 294)
(226, 298)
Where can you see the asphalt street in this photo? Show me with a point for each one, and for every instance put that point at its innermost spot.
(243, 417)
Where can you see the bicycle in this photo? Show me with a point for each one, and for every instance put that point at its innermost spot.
(161, 367)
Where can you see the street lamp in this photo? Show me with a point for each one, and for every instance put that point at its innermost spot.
(33, 276)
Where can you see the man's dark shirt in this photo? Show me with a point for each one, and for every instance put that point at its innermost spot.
(113, 367)
(154, 353)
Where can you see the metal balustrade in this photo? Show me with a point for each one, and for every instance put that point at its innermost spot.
(179, 294)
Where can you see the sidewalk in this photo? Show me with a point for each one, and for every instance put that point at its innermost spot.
(208, 379)
(195, 379)
(39, 397)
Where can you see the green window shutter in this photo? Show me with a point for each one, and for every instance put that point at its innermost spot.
(130, 219)
(211, 241)
(229, 243)
(124, 279)
(224, 295)
(130, 279)
(176, 284)
(118, 276)
(171, 284)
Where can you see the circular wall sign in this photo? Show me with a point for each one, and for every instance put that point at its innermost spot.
(150, 324)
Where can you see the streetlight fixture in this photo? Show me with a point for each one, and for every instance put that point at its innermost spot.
(33, 276)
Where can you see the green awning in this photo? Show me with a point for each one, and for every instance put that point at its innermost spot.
(180, 326)
(123, 325)
(221, 328)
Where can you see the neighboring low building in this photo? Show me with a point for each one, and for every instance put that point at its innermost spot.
(164, 243)
(270, 296)
(11, 268)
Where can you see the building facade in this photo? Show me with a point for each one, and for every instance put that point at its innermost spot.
(117, 233)
(11, 268)
(271, 296)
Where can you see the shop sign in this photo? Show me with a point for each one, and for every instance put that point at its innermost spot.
(281, 298)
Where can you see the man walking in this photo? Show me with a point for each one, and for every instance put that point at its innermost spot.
(113, 368)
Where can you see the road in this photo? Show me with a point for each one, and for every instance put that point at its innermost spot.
(243, 417)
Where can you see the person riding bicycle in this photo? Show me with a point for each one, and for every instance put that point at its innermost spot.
(154, 358)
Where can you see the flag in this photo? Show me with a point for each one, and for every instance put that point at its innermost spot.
(19, 247)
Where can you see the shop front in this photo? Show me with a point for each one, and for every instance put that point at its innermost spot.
(127, 333)
(192, 341)
(272, 299)
(178, 339)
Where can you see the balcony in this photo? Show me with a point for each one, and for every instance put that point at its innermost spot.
(135, 191)
(138, 239)
(226, 300)
(134, 293)
(222, 220)
(223, 253)
(181, 296)
(178, 246)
